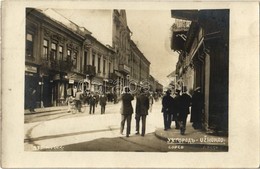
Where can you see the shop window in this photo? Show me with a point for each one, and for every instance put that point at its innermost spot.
(45, 49)
(29, 45)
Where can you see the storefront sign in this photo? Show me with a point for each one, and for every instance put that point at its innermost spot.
(71, 81)
(31, 69)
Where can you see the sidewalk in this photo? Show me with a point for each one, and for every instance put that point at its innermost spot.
(54, 108)
(192, 137)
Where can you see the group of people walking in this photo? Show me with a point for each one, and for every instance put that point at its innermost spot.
(91, 99)
(176, 107)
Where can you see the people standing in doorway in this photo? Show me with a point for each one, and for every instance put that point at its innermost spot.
(103, 102)
(78, 98)
(92, 103)
(167, 105)
(141, 111)
(185, 102)
(197, 105)
(126, 111)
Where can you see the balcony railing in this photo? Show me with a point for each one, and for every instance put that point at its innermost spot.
(59, 65)
(90, 70)
(124, 68)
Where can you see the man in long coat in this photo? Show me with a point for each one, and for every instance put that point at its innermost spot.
(167, 106)
(126, 111)
(103, 102)
(185, 102)
(197, 105)
(142, 106)
(176, 108)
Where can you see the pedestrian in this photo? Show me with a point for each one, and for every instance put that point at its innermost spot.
(197, 105)
(185, 102)
(141, 111)
(126, 111)
(103, 102)
(92, 103)
(151, 101)
(70, 102)
(176, 108)
(167, 102)
(78, 98)
(97, 98)
(32, 99)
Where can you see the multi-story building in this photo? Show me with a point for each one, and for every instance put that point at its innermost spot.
(139, 65)
(61, 57)
(121, 35)
(203, 60)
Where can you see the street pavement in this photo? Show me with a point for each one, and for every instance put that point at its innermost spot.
(59, 130)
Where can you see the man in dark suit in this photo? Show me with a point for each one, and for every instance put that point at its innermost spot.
(92, 103)
(103, 102)
(126, 111)
(185, 102)
(142, 106)
(167, 105)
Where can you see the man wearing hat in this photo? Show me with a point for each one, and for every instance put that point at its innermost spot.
(142, 107)
(197, 105)
(176, 108)
(167, 105)
(126, 111)
(185, 101)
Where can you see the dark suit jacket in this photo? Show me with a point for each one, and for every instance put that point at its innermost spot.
(142, 105)
(127, 108)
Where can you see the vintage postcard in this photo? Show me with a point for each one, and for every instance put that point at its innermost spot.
(136, 84)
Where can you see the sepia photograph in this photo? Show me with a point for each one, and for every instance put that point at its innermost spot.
(132, 84)
(94, 80)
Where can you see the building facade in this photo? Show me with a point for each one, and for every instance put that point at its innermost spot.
(61, 58)
(203, 61)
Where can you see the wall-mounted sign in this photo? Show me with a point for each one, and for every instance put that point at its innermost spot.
(71, 81)
(31, 69)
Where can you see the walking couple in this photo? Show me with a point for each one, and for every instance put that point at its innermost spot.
(142, 106)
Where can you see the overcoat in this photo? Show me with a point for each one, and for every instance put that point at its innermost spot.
(197, 104)
(185, 102)
(126, 107)
(142, 105)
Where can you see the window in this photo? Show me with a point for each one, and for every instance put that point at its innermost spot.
(104, 66)
(99, 65)
(45, 49)
(109, 67)
(68, 55)
(53, 51)
(29, 45)
(93, 60)
(60, 53)
(85, 58)
(74, 59)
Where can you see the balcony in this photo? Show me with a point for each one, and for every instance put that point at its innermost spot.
(124, 69)
(90, 70)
